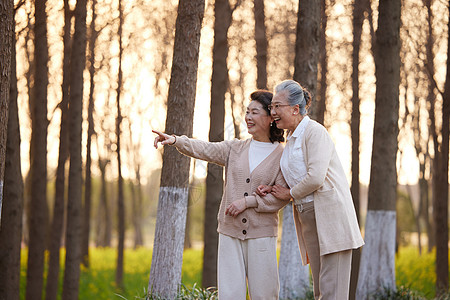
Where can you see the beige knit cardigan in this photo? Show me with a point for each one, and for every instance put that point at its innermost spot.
(260, 219)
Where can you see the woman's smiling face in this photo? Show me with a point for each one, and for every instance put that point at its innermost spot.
(283, 115)
(258, 121)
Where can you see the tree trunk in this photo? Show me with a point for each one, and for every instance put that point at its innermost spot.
(104, 218)
(323, 57)
(38, 148)
(358, 18)
(307, 48)
(306, 59)
(214, 177)
(7, 35)
(377, 269)
(29, 75)
(261, 44)
(165, 273)
(11, 221)
(431, 98)
(136, 189)
(138, 238)
(74, 205)
(90, 133)
(294, 277)
(441, 204)
(59, 204)
(120, 200)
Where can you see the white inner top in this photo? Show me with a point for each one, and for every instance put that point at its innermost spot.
(292, 161)
(258, 152)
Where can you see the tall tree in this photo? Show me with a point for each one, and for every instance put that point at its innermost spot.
(90, 133)
(104, 227)
(305, 72)
(11, 220)
(165, 273)
(440, 205)
(357, 22)
(431, 95)
(214, 179)
(307, 48)
(74, 205)
(323, 59)
(38, 152)
(261, 44)
(377, 268)
(59, 204)
(6, 35)
(120, 200)
(136, 188)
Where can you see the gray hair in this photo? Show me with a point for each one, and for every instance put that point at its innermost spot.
(295, 94)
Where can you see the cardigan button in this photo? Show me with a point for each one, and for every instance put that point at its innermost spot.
(245, 194)
(248, 180)
(244, 231)
(244, 220)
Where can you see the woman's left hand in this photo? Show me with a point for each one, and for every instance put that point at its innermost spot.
(236, 207)
(281, 192)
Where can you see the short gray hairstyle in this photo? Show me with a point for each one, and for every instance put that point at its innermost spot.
(295, 94)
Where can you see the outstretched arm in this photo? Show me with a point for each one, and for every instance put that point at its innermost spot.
(216, 152)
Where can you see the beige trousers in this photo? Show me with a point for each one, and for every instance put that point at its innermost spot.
(330, 272)
(253, 261)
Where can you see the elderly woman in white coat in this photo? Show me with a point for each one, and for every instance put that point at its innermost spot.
(325, 218)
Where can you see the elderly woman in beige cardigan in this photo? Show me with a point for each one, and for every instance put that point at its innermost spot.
(325, 218)
(247, 222)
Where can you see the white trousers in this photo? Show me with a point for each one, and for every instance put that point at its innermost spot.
(252, 259)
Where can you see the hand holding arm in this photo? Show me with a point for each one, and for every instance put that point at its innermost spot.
(236, 207)
(163, 138)
(281, 192)
(263, 190)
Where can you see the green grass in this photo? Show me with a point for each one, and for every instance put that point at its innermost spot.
(415, 275)
(416, 272)
(98, 282)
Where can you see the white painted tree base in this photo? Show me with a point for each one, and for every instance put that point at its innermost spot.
(294, 277)
(165, 273)
(377, 268)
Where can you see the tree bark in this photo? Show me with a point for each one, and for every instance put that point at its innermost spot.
(214, 177)
(319, 113)
(441, 204)
(90, 133)
(138, 237)
(104, 219)
(261, 44)
(29, 75)
(120, 200)
(431, 98)
(11, 221)
(38, 148)
(307, 48)
(74, 205)
(358, 18)
(7, 35)
(165, 273)
(377, 269)
(59, 204)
